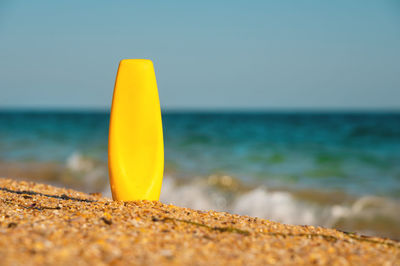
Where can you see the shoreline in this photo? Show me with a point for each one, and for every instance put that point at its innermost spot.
(367, 214)
(42, 224)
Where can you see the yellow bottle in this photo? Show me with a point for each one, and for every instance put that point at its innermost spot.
(135, 145)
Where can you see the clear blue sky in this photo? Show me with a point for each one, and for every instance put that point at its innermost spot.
(207, 54)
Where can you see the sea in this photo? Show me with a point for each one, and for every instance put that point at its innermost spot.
(329, 169)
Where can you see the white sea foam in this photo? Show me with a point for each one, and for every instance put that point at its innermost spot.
(282, 206)
(76, 162)
(259, 202)
(195, 196)
(92, 175)
(278, 206)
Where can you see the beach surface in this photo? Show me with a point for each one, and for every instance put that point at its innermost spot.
(42, 224)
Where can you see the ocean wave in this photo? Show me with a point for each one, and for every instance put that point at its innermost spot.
(369, 215)
(279, 206)
(90, 174)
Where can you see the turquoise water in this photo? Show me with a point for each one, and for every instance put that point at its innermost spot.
(349, 156)
(358, 153)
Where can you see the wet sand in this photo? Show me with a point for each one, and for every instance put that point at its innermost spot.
(41, 224)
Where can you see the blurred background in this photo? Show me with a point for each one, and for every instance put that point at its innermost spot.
(285, 110)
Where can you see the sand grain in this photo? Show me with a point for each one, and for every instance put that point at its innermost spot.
(41, 224)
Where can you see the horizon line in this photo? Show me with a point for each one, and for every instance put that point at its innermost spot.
(205, 110)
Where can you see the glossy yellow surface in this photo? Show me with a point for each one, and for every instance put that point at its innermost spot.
(135, 148)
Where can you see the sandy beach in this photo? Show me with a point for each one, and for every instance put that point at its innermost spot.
(41, 224)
